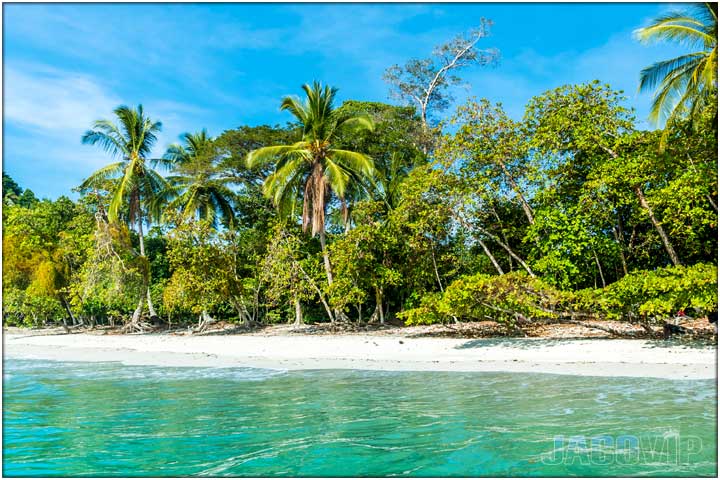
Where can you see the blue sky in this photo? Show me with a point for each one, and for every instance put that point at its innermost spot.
(218, 66)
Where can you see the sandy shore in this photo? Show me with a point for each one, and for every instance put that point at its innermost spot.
(598, 357)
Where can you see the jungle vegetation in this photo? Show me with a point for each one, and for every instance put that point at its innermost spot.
(370, 212)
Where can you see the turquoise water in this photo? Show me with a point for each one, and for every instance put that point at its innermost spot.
(108, 419)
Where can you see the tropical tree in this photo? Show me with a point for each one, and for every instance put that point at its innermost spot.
(312, 168)
(426, 82)
(683, 84)
(198, 188)
(137, 184)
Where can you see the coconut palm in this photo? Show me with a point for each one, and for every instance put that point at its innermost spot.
(311, 168)
(135, 183)
(197, 187)
(682, 84)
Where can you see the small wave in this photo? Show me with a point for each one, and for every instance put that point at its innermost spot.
(119, 371)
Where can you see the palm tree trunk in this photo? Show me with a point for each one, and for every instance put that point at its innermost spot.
(661, 231)
(337, 313)
(151, 308)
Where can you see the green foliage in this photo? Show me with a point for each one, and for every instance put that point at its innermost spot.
(503, 298)
(287, 271)
(45, 245)
(568, 214)
(513, 297)
(207, 276)
(313, 166)
(198, 185)
(113, 278)
(657, 293)
(685, 84)
(10, 188)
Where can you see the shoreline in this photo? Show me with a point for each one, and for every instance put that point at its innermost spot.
(589, 357)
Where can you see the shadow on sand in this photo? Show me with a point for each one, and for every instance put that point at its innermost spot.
(537, 343)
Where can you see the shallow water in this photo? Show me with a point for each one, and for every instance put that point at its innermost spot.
(108, 419)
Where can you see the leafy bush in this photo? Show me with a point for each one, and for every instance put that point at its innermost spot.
(426, 313)
(516, 296)
(503, 298)
(656, 293)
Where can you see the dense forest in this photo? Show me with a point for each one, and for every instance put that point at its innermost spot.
(371, 212)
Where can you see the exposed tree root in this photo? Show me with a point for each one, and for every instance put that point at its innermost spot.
(137, 327)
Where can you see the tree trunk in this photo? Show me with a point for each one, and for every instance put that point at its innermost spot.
(499, 242)
(298, 312)
(617, 232)
(378, 313)
(425, 130)
(67, 309)
(242, 311)
(437, 275)
(525, 205)
(337, 313)
(661, 231)
(151, 308)
(138, 311)
(502, 230)
(326, 257)
(597, 262)
(491, 257)
(509, 250)
(65, 325)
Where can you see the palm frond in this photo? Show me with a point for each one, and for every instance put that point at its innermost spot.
(276, 183)
(107, 142)
(293, 105)
(651, 76)
(682, 82)
(356, 123)
(337, 177)
(265, 155)
(102, 174)
(125, 187)
(677, 28)
(354, 162)
(670, 89)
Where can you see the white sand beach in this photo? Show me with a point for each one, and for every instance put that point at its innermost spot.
(597, 357)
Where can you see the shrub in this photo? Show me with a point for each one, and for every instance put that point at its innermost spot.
(656, 293)
(503, 298)
(516, 297)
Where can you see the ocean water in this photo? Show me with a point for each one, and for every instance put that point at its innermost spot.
(108, 419)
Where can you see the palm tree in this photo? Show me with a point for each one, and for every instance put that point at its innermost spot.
(311, 168)
(685, 83)
(197, 187)
(136, 183)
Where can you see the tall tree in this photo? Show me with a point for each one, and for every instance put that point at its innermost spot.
(426, 82)
(493, 146)
(312, 168)
(198, 187)
(131, 140)
(682, 84)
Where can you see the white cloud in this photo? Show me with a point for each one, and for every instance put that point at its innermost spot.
(46, 99)
(46, 112)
